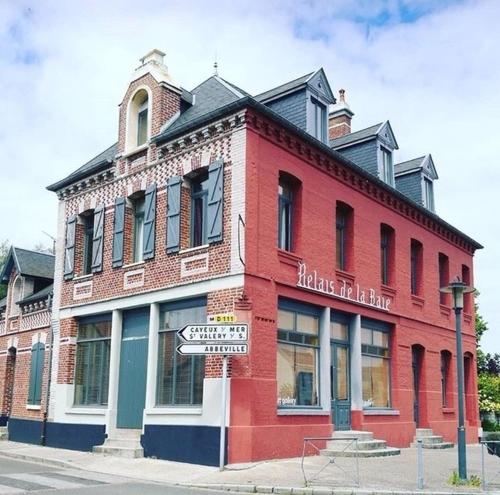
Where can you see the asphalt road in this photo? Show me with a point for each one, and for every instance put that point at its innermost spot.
(25, 477)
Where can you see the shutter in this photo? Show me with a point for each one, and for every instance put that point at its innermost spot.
(173, 213)
(69, 254)
(33, 371)
(148, 250)
(118, 229)
(39, 373)
(98, 239)
(215, 201)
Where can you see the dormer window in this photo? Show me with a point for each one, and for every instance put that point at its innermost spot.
(428, 194)
(138, 128)
(387, 167)
(319, 122)
(142, 123)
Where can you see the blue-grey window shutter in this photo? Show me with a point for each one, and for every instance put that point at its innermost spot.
(215, 201)
(149, 222)
(69, 251)
(98, 239)
(36, 374)
(173, 213)
(118, 229)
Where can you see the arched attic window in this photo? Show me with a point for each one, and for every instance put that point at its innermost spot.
(17, 290)
(138, 119)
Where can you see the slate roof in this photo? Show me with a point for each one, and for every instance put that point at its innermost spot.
(353, 137)
(28, 263)
(284, 88)
(99, 162)
(41, 294)
(413, 164)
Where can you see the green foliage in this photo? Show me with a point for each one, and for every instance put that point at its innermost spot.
(480, 323)
(489, 392)
(488, 425)
(474, 481)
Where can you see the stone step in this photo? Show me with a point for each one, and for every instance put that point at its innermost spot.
(429, 440)
(423, 432)
(388, 451)
(441, 445)
(125, 434)
(117, 442)
(4, 434)
(350, 445)
(346, 434)
(128, 452)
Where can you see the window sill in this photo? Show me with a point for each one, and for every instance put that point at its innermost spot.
(87, 410)
(445, 310)
(346, 275)
(133, 265)
(467, 317)
(193, 249)
(32, 407)
(448, 410)
(83, 277)
(417, 300)
(289, 258)
(380, 412)
(184, 410)
(135, 150)
(387, 289)
(302, 412)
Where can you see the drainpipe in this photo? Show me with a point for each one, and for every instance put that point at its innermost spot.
(43, 438)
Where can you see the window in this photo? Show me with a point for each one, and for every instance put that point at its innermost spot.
(467, 297)
(387, 168)
(444, 277)
(319, 122)
(285, 207)
(88, 239)
(445, 378)
(297, 364)
(386, 254)
(142, 123)
(17, 295)
(428, 194)
(416, 267)
(199, 200)
(92, 361)
(36, 374)
(138, 204)
(180, 378)
(343, 239)
(375, 366)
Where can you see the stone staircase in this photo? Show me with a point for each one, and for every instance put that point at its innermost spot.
(123, 442)
(343, 446)
(429, 440)
(4, 434)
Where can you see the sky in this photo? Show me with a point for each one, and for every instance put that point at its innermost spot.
(430, 67)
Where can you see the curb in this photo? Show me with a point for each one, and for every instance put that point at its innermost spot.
(287, 490)
(38, 460)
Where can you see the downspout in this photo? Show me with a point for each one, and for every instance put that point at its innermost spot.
(43, 438)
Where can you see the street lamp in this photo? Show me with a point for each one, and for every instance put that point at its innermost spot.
(457, 288)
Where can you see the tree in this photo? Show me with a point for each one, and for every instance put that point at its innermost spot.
(4, 251)
(481, 325)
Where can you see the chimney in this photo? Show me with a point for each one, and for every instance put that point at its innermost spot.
(339, 122)
(154, 56)
(153, 63)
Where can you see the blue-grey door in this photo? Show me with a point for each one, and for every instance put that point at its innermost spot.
(340, 388)
(133, 365)
(415, 362)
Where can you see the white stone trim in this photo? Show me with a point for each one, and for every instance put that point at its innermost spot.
(100, 411)
(32, 407)
(186, 272)
(133, 273)
(84, 295)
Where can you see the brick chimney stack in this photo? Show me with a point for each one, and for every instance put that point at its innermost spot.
(339, 122)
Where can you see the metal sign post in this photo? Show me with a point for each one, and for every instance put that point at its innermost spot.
(222, 446)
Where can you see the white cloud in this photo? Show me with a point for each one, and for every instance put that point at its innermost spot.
(436, 79)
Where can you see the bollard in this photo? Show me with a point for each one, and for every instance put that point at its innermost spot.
(420, 465)
(483, 475)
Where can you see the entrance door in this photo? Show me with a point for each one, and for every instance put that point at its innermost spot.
(415, 362)
(133, 364)
(339, 373)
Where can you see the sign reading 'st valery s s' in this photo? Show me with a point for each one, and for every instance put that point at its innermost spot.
(368, 297)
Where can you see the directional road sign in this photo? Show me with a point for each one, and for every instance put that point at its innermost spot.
(225, 349)
(214, 333)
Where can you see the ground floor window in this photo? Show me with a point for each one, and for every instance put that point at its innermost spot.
(92, 361)
(36, 374)
(180, 378)
(375, 364)
(297, 359)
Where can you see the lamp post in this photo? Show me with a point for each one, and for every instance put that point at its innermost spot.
(457, 288)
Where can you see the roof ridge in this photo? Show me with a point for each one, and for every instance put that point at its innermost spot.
(308, 75)
(33, 251)
(411, 160)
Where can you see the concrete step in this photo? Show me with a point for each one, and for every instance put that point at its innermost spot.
(429, 440)
(423, 432)
(351, 445)
(116, 442)
(388, 451)
(4, 434)
(360, 435)
(442, 445)
(125, 434)
(127, 452)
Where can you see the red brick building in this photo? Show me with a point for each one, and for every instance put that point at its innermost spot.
(270, 208)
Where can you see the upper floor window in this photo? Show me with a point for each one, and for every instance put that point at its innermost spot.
(445, 378)
(386, 254)
(319, 122)
(138, 119)
(444, 276)
(285, 213)
(142, 123)
(428, 194)
(138, 209)
(467, 297)
(88, 240)
(199, 203)
(343, 240)
(387, 167)
(416, 267)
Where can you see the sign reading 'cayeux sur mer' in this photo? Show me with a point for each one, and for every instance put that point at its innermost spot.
(312, 281)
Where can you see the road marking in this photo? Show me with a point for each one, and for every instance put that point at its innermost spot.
(74, 479)
(12, 482)
(43, 481)
(8, 490)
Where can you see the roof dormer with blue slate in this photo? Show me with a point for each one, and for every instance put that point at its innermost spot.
(371, 148)
(415, 179)
(304, 102)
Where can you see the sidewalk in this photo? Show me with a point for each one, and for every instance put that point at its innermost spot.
(389, 475)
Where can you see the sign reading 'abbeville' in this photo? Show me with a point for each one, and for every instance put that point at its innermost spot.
(214, 333)
(205, 349)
